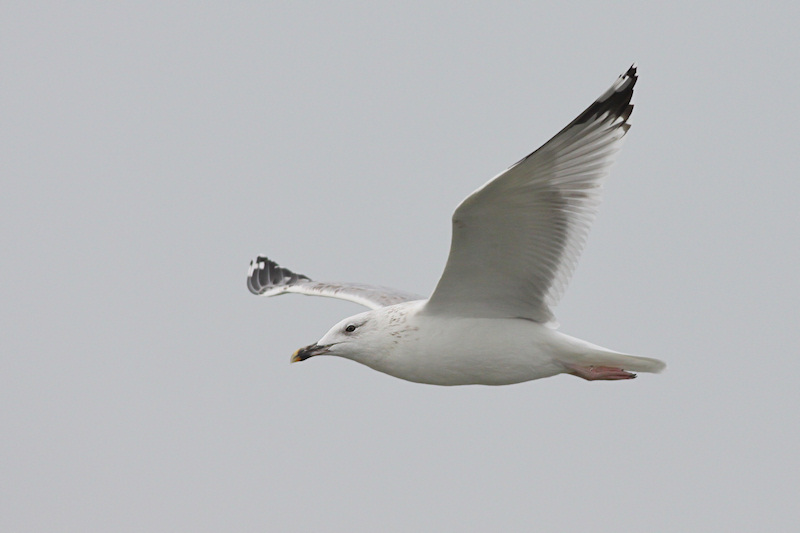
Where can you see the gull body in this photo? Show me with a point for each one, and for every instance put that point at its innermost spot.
(515, 244)
(402, 341)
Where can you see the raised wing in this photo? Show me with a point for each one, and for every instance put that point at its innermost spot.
(268, 278)
(517, 239)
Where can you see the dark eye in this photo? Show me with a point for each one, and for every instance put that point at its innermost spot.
(351, 328)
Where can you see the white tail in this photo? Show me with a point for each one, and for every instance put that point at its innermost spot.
(631, 363)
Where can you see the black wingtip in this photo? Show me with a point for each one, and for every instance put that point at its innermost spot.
(616, 100)
(265, 274)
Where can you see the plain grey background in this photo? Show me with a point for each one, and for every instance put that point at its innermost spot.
(151, 149)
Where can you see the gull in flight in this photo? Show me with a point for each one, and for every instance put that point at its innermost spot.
(515, 244)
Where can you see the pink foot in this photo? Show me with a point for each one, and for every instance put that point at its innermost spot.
(593, 373)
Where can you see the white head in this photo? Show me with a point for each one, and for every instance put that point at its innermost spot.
(366, 337)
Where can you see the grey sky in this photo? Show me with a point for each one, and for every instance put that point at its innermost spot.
(149, 151)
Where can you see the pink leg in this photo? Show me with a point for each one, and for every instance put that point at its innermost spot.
(593, 373)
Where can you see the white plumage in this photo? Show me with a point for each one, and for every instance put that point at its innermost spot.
(515, 244)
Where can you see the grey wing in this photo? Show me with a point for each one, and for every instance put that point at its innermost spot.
(267, 278)
(517, 239)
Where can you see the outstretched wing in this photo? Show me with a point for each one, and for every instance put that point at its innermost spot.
(268, 278)
(517, 239)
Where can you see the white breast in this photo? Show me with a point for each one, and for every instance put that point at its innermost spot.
(459, 351)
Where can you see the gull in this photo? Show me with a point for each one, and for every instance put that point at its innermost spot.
(515, 243)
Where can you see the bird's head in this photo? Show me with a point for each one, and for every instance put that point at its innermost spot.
(349, 338)
(369, 338)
